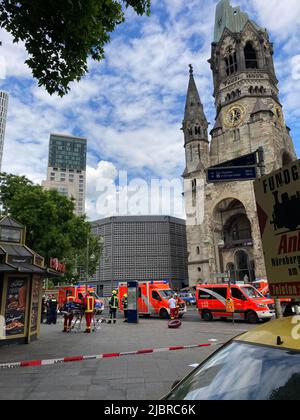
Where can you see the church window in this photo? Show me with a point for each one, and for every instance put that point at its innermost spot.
(198, 130)
(198, 250)
(194, 192)
(191, 153)
(236, 134)
(190, 132)
(250, 56)
(199, 151)
(251, 90)
(231, 61)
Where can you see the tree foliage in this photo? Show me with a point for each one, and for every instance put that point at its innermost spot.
(53, 230)
(60, 35)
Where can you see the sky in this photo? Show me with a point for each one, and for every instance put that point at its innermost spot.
(130, 106)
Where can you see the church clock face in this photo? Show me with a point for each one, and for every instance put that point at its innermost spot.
(234, 116)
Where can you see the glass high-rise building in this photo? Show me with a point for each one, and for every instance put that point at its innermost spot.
(67, 168)
(3, 118)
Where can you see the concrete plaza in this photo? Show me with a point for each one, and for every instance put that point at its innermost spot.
(138, 377)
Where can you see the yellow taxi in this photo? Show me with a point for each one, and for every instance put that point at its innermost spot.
(263, 364)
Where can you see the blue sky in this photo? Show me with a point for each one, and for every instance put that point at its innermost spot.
(130, 106)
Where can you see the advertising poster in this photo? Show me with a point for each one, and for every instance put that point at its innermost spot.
(278, 207)
(36, 291)
(16, 302)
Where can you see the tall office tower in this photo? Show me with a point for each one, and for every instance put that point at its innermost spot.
(67, 168)
(3, 117)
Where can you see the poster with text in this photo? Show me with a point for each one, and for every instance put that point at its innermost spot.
(278, 207)
(16, 305)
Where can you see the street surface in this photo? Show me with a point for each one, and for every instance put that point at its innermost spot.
(138, 377)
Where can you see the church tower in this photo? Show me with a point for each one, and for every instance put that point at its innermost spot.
(222, 226)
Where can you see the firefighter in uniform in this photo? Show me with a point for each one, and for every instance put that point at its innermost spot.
(89, 304)
(125, 307)
(68, 318)
(113, 307)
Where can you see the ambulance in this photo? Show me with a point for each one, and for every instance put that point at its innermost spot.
(249, 304)
(153, 299)
(75, 291)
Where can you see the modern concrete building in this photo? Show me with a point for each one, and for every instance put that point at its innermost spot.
(141, 248)
(222, 224)
(3, 117)
(67, 168)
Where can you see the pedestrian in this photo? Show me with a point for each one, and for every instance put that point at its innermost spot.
(69, 315)
(125, 307)
(173, 307)
(89, 305)
(52, 310)
(113, 307)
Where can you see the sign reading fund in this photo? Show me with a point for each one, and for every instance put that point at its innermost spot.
(278, 207)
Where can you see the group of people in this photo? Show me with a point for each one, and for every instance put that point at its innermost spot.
(49, 310)
(86, 304)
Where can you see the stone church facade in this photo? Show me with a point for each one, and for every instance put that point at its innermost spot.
(222, 225)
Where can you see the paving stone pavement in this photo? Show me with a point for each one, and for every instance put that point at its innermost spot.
(142, 377)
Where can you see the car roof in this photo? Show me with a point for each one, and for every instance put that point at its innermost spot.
(287, 329)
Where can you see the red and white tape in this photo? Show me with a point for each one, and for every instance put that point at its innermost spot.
(51, 362)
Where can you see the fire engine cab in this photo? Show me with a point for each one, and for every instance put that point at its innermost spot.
(153, 298)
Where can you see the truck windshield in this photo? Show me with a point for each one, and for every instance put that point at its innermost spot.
(166, 294)
(244, 372)
(252, 293)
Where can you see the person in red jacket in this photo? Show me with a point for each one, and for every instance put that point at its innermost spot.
(89, 304)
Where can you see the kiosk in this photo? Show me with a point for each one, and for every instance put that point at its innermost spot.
(21, 279)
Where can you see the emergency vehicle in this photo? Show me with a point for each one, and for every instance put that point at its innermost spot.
(76, 291)
(249, 304)
(153, 299)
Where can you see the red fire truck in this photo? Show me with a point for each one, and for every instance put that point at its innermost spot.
(153, 298)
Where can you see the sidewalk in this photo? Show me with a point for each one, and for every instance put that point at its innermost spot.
(137, 377)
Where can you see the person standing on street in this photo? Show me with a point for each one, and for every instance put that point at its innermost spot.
(44, 309)
(89, 304)
(125, 307)
(173, 307)
(113, 307)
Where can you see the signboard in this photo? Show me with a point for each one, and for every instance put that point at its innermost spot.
(16, 302)
(278, 206)
(35, 304)
(57, 265)
(247, 160)
(243, 173)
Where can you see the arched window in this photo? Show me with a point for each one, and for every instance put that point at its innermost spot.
(250, 56)
(251, 90)
(231, 62)
(198, 130)
(198, 250)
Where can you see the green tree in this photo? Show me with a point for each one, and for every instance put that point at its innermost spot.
(53, 230)
(60, 35)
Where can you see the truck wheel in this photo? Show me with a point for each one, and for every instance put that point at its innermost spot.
(207, 316)
(251, 317)
(163, 314)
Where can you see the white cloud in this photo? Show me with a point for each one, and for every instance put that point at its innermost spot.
(130, 106)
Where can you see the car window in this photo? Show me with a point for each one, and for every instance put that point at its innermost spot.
(156, 296)
(244, 372)
(252, 293)
(237, 294)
